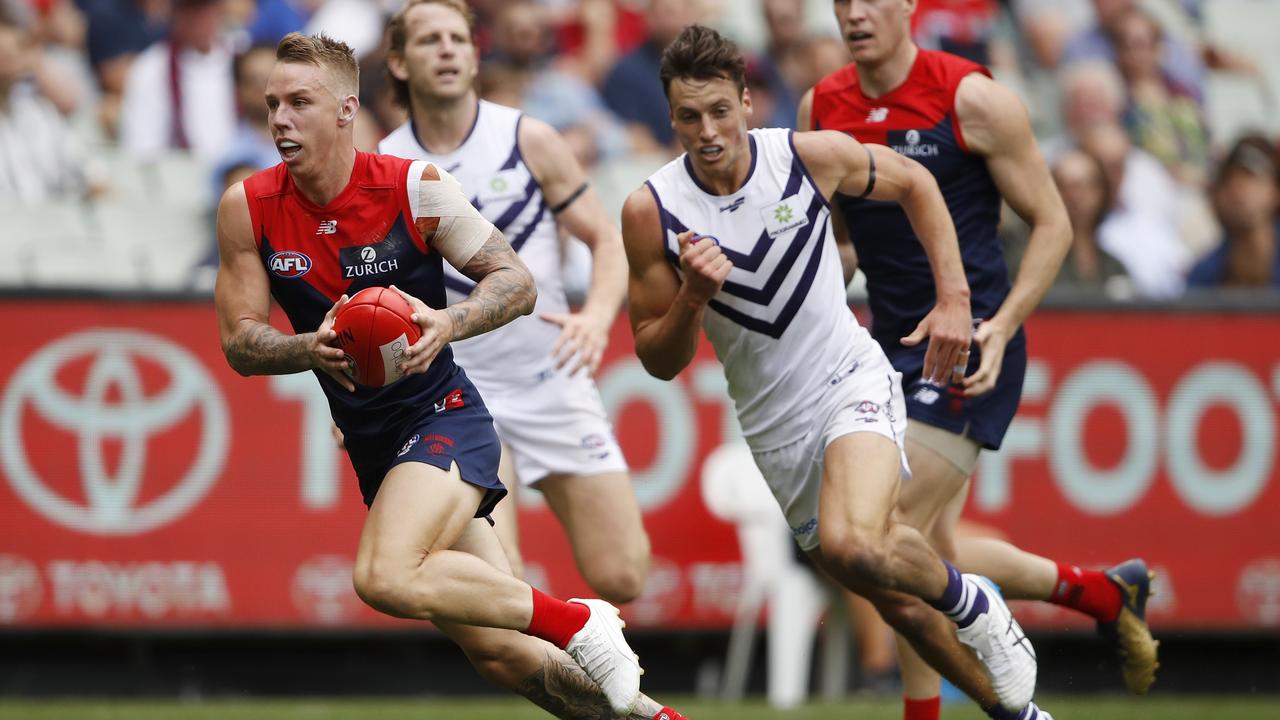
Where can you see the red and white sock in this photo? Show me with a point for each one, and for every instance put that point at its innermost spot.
(667, 713)
(921, 708)
(556, 621)
(1088, 591)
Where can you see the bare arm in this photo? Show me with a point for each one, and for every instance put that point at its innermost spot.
(242, 297)
(995, 124)
(448, 222)
(666, 314)
(848, 256)
(504, 289)
(804, 114)
(580, 211)
(841, 164)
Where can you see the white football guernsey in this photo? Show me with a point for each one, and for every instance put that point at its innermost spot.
(780, 325)
(494, 176)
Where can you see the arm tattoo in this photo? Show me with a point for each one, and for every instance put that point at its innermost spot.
(260, 349)
(504, 289)
(562, 689)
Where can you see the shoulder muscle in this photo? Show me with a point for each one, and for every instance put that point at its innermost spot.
(989, 114)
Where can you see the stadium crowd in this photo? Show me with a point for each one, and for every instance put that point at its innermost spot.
(1123, 96)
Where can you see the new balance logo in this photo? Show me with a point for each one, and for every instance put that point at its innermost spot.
(926, 396)
(878, 115)
(327, 227)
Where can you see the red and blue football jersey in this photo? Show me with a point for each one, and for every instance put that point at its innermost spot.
(917, 119)
(366, 236)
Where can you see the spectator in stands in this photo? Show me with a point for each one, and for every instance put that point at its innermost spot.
(40, 158)
(822, 56)
(1140, 228)
(1161, 116)
(520, 35)
(1047, 26)
(179, 92)
(523, 72)
(273, 19)
(632, 89)
(251, 145)
(781, 70)
(1246, 198)
(1092, 96)
(118, 31)
(1181, 62)
(1090, 92)
(61, 71)
(1088, 196)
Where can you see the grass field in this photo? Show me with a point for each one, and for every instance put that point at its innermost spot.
(1064, 708)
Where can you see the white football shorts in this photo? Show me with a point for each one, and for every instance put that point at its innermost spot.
(554, 424)
(867, 400)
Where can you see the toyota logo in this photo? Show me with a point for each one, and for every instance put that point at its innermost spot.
(322, 589)
(113, 407)
(19, 589)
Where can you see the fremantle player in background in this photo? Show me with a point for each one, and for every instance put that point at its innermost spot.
(975, 137)
(535, 373)
(733, 237)
(424, 448)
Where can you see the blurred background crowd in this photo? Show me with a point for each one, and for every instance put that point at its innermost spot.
(122, 120)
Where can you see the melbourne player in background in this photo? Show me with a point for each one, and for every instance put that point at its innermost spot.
(975, 137)
(733, 237)
(424, 448)
(534, 373)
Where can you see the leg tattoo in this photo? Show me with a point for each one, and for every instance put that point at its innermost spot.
(562, 689)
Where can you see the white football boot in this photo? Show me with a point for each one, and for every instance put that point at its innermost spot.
(1000, 644)
(604, 655)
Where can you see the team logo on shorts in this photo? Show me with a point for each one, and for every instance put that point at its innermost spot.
(410, 443)
(867, 407)
(452, 401)
(596, 445)
(289, 264)
(439, 443)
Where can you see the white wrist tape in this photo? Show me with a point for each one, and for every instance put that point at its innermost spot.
(462, 230)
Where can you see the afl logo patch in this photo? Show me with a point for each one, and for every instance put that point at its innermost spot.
(289, 264)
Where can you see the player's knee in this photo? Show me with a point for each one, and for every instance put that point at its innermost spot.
(859, 554)
(621, 582)
(380, 587)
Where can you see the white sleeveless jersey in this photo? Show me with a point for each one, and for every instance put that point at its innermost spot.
(780, 325)
(494, 176)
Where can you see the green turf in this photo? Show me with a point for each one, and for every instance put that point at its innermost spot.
(1064, 708)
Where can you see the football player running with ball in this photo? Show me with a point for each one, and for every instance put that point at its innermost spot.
(423, 448)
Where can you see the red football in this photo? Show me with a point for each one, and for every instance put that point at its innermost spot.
(374, 329)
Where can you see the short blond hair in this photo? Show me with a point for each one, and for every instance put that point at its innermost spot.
(398, 36)
(323, 51)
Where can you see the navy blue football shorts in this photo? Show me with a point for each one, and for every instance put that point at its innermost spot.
(455, 428)
(985, 418)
